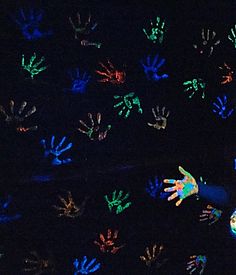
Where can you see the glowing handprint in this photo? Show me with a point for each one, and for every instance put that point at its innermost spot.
(15, 119)
(82, 268)
(160, 117)
(229, 74)
(233, 223)
(221, 107)
(94, 132)
(56, 151)
(197, 263)
(194, 86)
(183, 188)
(33, 68)
(210, 214)
(157, 31)
(208, 42)
(82, 29)
(117, 202)
(70, 209)
(4, 216)
(127, 103)
(151, 68)
(155, 189)
(108, 244)
(152, 256)
(30, 24)
(232, 36)
(79, 81)
(111, 74)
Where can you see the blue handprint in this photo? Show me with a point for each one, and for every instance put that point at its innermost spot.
(29, 23)
(152, 67)
(56, 151)
(4, 218)
(80, 268)
(155, 190)
(221, 107)
(79, 81)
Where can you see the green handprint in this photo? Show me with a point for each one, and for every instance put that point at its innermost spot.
(33, 68)
(128, 101)
(194, 86)
(157, 32)
(117, 201)
(232, 36)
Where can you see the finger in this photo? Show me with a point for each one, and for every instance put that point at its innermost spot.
(203, 215)
(184, 172)
(170, 189)
(173, 196)
(206, 211)
(179, 202)
(202, 220)
(209, 206)
(171, 181)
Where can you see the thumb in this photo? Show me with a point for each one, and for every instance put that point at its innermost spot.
(184, 172)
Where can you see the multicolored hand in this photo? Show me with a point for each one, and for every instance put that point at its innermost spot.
(182, 188)
(196, 263)
(210, 214)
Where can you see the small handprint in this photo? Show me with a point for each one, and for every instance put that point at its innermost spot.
(109, 244)
(196, 263)
(210, 214)
(85, 267)
(55, 151)
(157, 31)
(70, 209)
(29, 23)
(229, 74)
(111, 74)
(195, 85)
(82, 29)
(155, 189)
(79, 81)
(117, 201)
(33, 68)
(232, 36)
(15, 119)
(151, 68)
(208, 42)
(94, 132)
(221, 107)
(160, 117)
(127, 103)
(152, 256)
(183, 188)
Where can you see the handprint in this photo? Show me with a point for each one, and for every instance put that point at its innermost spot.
(151, 68)
(111, 74)
(229, 74)
(160, 117)
(15, 119)
(4, 216)
(232, 36)
(82, 268)
(79, 81)
(195, 85)
(233, 223)
(153, 256)
(108, 244)
(55, 151)
(33, 68)
(155, 189)
(210, 214)
(183, 188)
(30, 24)
(70, 209)
(117, 201)
(197, 263)
(82, 29)
(221, 107)
(94, 132)
(208, 42)
(157, 31)
(127, 103)
(39, 265)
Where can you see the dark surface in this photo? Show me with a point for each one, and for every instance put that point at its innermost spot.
(132, 153)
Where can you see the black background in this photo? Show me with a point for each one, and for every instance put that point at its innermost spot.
(132, 153)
